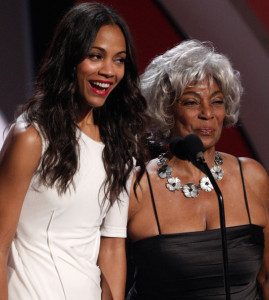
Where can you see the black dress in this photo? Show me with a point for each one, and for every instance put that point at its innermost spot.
(189, 265)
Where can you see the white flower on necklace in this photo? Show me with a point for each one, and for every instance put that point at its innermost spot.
(173, 184)
(191, 190)
(206, 185)
(217, 172)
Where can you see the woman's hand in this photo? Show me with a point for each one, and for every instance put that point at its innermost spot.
(112, 262)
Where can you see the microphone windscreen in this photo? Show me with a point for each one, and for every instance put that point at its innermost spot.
(193, 145)
(187, 147)
(177, 147)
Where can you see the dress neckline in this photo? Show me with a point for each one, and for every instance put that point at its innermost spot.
(195, 233)
(89, 139)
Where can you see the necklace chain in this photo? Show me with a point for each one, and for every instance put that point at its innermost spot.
(190, 190)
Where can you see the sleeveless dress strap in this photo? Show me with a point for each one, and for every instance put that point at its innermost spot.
(244, 189)
(153, 203)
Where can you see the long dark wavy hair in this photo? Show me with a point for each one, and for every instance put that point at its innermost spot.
(55, 108)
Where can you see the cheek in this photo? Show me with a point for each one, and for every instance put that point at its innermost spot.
(220, 116)
(184, 119)
(183, 126)
(121, 74)
(86, 68)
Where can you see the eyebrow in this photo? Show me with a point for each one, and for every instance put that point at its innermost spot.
(198, 94)
(103, 50)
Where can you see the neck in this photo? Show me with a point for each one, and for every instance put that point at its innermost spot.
(209, 156)
(185, 167)
(87, 125)
(86, 117)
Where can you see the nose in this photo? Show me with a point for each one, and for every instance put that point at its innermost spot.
(107, 69)
(206, 112)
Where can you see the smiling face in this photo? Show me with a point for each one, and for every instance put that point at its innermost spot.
(103, 69)
(200, 111)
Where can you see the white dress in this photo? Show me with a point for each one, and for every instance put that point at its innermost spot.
(55, 249)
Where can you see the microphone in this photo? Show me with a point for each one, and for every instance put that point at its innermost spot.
(191, 148)
(188, 148)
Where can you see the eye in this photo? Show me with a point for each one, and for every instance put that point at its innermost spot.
(217, 101)
(95, 56)
(189, 102)
(120, 60)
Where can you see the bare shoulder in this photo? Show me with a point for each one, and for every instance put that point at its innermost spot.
(137, 201)
(153, 166)
(23, 145)
(250, 167)
(255, 175)
(256, 178)
(151, 169)
(26, 135)
(253, 170)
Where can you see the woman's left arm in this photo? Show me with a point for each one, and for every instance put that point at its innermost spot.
(112, 262)
(263, 277)
(260, 180)
(112, 254)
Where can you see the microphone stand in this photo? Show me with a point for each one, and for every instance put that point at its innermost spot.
(207, 171)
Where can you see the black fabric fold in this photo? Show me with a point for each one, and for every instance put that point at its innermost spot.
(189, 265)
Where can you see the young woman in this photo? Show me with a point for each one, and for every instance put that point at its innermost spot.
(66, 163)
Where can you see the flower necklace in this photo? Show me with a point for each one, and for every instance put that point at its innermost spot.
(190, 190)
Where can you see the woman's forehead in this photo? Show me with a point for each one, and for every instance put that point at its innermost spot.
(205, 82)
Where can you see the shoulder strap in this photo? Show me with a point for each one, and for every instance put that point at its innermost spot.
(153, 203)
(244, 189)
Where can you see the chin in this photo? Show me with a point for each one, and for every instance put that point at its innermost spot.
(96, 104)
(208, 141)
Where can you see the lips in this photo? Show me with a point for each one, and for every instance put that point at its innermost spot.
(206, 131)
(100, 87)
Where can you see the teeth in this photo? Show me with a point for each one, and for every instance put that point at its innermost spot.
(102, 85)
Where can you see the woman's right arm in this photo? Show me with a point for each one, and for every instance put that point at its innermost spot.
(19, 158)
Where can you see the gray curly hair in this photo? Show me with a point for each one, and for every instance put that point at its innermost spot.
(192, 61)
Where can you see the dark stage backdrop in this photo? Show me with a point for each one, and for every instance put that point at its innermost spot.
(153, 32)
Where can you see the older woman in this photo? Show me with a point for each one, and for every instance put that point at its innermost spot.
(174, 224)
